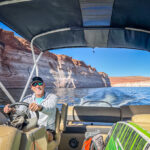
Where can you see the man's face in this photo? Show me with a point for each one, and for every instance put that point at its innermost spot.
(38, 88)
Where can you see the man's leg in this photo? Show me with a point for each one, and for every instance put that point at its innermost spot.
(50, 135)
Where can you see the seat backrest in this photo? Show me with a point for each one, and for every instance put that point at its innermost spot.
(54, 144)
(128, 111)
(34, 138)
(93, 114)
(60, 126)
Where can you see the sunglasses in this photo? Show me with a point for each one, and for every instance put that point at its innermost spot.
(37, 83)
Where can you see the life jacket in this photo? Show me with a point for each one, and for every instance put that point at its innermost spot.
(87, 144)
(93, 143)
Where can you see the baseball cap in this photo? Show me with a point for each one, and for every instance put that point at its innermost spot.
(36, 79)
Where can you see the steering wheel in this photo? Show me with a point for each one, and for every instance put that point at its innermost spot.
(20, 116)
(23, 111)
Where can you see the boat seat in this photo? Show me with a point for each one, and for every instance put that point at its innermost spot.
(60, 127)
(34, 138)
(128, 111)
(93, 114)
(9, 138)
(142, 120)
(54, 144)
(37, 137)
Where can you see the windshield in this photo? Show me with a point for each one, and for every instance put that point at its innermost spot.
(78, 76)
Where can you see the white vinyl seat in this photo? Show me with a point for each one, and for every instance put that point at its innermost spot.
(37, 137)
(9, 138)
(60, 127)
(143, 120)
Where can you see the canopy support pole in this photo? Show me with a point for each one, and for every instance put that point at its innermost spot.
(33, 54)
(27, 84)
(6, 92)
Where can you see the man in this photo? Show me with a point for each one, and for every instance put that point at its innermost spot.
(44, 103)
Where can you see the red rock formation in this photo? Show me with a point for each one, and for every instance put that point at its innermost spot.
(105, 78)
(57, 70)
(130, 81)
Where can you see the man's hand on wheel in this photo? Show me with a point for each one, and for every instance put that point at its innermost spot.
(7, 109)
(35, 107)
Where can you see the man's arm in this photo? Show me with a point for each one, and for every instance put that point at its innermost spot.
(35, 107)
(50, 104)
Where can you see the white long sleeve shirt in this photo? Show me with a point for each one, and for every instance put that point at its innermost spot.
(48, 113)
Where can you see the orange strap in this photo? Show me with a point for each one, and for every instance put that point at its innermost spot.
(87, 144)
(35, 146)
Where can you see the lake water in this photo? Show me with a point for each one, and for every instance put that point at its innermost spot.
(117, 96)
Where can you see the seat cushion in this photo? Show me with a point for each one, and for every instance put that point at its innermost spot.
(143, 118)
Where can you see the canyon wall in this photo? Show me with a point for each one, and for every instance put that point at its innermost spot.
(57, 70)
(130, 81)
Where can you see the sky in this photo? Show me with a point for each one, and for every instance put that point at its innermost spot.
(113, 61)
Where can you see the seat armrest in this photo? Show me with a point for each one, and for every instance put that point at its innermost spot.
(57, 121)
(63, 117)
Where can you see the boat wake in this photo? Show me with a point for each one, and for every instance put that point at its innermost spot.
(115, 97)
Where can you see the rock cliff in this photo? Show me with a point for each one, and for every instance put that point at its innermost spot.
(130, 81)
(105, 79)
(57, 70)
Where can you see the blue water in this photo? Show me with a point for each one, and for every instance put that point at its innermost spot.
(117, 96)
